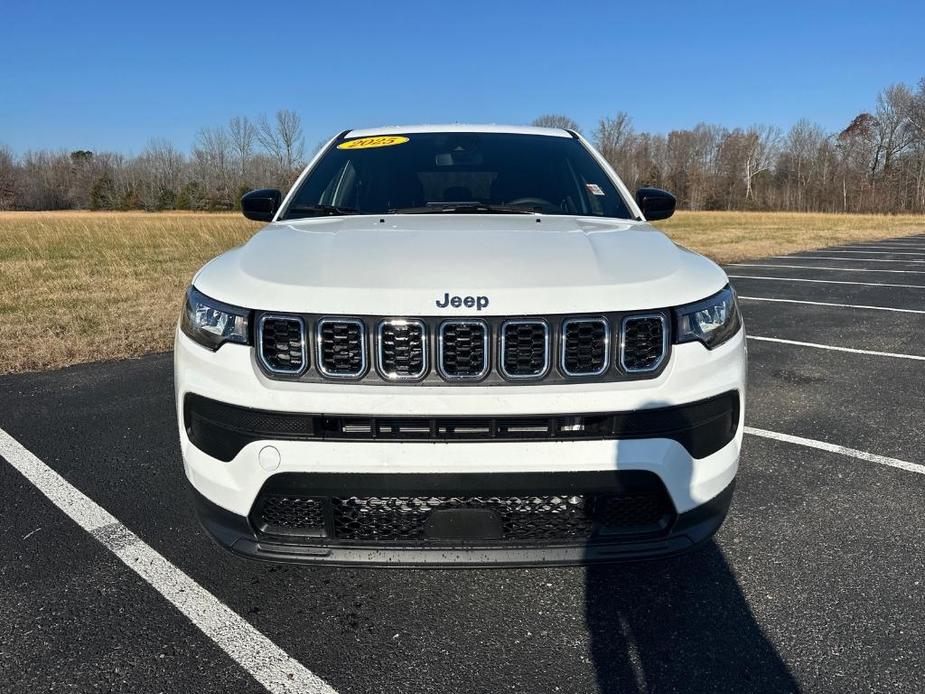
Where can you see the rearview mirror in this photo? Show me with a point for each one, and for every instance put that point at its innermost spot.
(261, 205)
(655, 203)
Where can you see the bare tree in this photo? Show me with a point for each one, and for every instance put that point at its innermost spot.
(8, 179)
(763, 142)
(916, 116)
(269, 140)
(214, 167)
(611, 138)
(156, 175)
(289, 127)
(556, 120)
(215, 146)
(242, 134)
(915, 111)
(894, 131)
(796, 166)
(283, 140)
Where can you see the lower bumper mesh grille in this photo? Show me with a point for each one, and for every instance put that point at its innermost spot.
(291, 513)
(405, 519)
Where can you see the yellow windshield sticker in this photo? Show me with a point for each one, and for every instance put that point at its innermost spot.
(370, 142)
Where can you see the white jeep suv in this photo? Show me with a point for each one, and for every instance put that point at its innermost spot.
(460, 345)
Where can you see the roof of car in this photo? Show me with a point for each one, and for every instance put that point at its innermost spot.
(458, 128)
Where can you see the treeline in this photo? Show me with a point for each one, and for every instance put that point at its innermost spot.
(225, 162)
(876, 163)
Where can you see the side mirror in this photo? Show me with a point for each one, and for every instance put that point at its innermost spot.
(655, 203)
(261, 205)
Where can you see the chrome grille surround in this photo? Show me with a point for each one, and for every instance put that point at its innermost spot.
(320, 359)
(303, 347)
(502, 353)
(486, 349)
(664, 342)
(564, 345)
(473, 352)
(393, 375)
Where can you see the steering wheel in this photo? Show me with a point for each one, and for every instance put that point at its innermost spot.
(534, 202)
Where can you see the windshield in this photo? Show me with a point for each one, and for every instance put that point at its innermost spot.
(458, 172)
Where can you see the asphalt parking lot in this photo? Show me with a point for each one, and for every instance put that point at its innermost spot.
(815, 583)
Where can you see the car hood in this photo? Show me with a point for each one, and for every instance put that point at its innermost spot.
(407, 264)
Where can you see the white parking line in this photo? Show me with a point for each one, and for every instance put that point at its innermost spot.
(825, 303)
(910, 246)
(802, 279)
(886, 242)
(834, 348)
(264, 660)
(883, 248)
(841, 450)
(820, 267)
(847, 260)
(835, 250)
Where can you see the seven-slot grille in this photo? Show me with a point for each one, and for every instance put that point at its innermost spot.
(585, 346)
(341, 347)
(524, 348)
(402, 347)
(463, 348)
(643, 342)
(282, 344)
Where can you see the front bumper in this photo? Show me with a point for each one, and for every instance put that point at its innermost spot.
(681, 533)
(698, 486)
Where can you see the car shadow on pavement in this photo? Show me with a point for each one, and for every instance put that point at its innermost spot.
(678, 625)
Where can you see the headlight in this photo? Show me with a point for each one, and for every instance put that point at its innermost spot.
(711, 321)
(212, 323)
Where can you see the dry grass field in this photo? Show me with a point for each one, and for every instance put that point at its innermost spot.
(730, 237)
(84, 286)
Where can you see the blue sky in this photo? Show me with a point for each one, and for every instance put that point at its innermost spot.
(101, 76)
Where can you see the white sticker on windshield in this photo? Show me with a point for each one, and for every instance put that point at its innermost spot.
(594, 188)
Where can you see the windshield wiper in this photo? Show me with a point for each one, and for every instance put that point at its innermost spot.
(296, 211)
(464, 208)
